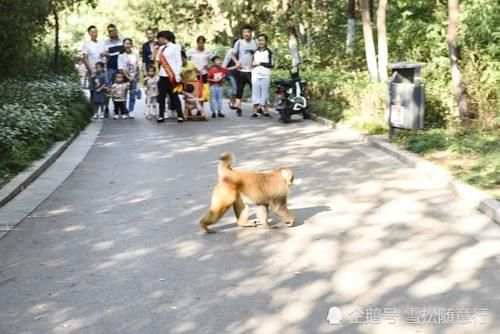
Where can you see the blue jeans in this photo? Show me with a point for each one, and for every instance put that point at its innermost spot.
(234, 84)
(216, 95)
(132, 95)
(111, 74)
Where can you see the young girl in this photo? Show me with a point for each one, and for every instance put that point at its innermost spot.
(188, 69)
(263, 62)
(128, 63)
(151, 85)
(119, 95)
(100, 83)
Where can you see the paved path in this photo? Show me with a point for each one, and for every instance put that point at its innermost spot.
(116, 248)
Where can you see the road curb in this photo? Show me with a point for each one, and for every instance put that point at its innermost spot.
(26, 177)
(481, 200)
(46, 177)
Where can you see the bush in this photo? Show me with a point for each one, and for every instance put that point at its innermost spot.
(347, 96)
(34, 114)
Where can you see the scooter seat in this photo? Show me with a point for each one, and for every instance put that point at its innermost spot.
(283, 82)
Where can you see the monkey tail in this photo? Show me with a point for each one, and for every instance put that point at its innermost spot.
(225, 161)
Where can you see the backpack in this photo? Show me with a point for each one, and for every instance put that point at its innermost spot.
(238, 48)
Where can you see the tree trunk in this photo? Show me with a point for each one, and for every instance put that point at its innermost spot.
(293, 41)
(383, 53)
(371, 57)
(454, 51)
(351, 27)
(57, 47)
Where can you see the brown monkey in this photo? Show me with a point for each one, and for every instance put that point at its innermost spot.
(238, 188)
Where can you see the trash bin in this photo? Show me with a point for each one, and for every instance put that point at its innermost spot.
(406, 97)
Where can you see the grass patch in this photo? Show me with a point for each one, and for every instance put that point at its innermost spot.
(35, 113)
(471, 155)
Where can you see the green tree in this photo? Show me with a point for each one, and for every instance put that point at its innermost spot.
(56, 7)
(22, 23)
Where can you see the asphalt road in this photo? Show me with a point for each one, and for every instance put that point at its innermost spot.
(117, 249)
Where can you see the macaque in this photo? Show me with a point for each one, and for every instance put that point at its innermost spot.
(237, 189)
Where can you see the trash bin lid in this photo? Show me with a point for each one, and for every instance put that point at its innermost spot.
(406, 65)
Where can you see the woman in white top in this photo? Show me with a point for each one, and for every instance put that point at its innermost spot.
(201, 58)
(128, 63)
(263, 62)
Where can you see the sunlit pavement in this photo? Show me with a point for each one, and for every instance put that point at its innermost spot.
(116, 249)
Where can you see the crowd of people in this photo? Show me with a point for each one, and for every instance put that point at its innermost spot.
(113, 70)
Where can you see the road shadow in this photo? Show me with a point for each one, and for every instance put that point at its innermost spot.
(117, 247)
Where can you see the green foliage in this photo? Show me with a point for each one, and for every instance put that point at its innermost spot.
(34, 114)
(327, 110)
(423, 141)
(22, 23)
(471, 153)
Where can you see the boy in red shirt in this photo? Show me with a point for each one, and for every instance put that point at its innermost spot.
(216, 76)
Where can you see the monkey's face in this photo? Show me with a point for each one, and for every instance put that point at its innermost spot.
(287, 175)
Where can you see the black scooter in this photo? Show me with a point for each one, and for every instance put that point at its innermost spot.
(290, 96)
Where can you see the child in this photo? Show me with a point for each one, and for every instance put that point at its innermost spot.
(216, 76)
(151, 84)
(119, 95)
(100, 82)
(188, 69)
(192, 102)
(82, 72)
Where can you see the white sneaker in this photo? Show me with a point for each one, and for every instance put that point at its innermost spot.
(116, 117)
(125, 116)
(94, 116)
(101, 116)
(131, 114)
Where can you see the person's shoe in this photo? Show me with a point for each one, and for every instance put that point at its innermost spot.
(180, 120)
(254, 115)
(94, 116)
(213, 115)
(101, 116)
(267, 115)
(160, 120)
(116, 117)
(238, 112)
(131, 115)
(260, 112)
(219, 114)
(125, 116)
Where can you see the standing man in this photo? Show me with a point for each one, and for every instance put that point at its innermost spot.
(149, 50)
(92, 53)
(243, 51)
(170, 60)
(114, 46)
